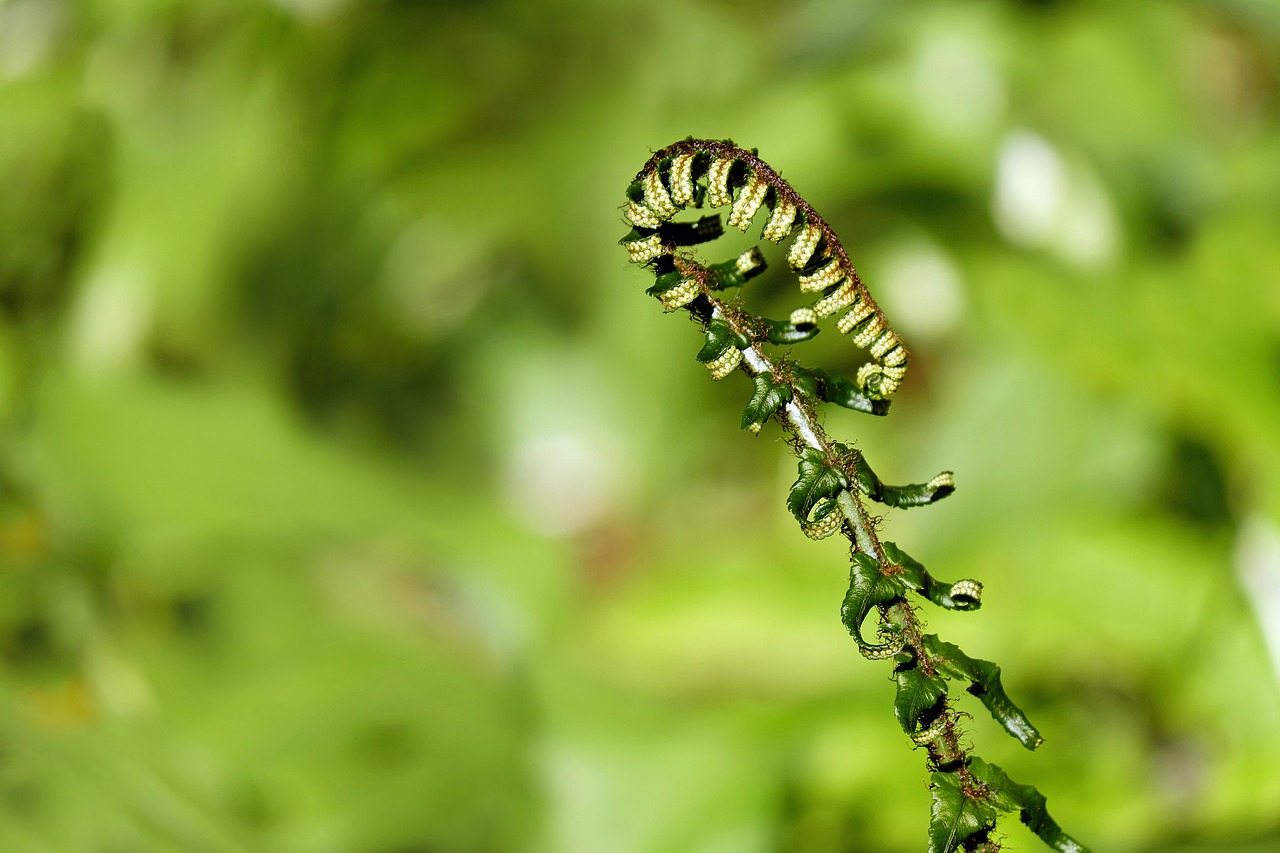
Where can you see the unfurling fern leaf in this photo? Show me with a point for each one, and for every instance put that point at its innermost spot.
(702, 173)
(827, 497)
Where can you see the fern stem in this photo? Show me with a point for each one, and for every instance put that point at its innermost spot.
(864, 537)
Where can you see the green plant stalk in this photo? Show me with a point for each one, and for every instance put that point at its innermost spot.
(968, 795)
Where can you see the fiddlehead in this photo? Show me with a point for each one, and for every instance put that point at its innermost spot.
(704, 173)
(827, 497)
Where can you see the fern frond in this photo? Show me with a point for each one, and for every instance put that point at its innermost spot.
(827, 497)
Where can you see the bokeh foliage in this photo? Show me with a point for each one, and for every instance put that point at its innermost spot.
(353, 496)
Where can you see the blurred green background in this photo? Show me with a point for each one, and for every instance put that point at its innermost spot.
(353, 496)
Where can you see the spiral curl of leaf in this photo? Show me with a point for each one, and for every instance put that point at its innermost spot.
(710, 173)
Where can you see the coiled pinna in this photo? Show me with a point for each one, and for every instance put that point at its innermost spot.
(698, 173)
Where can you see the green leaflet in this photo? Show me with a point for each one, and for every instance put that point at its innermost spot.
(842, 392)
(986, 685)
(664, 282)
(918, 578)
(637, 234)
(1007, 795)
(691, 233)
(904, 497)
(823, 508)
(868, 587)
(786, 332)
(739, 270)
(966, 802)
(817, 480)
(770, 395)
(955, 816)
(719, 338)
(917, 693)
(805, 383)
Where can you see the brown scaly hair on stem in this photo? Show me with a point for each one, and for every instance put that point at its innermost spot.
(968, 794)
